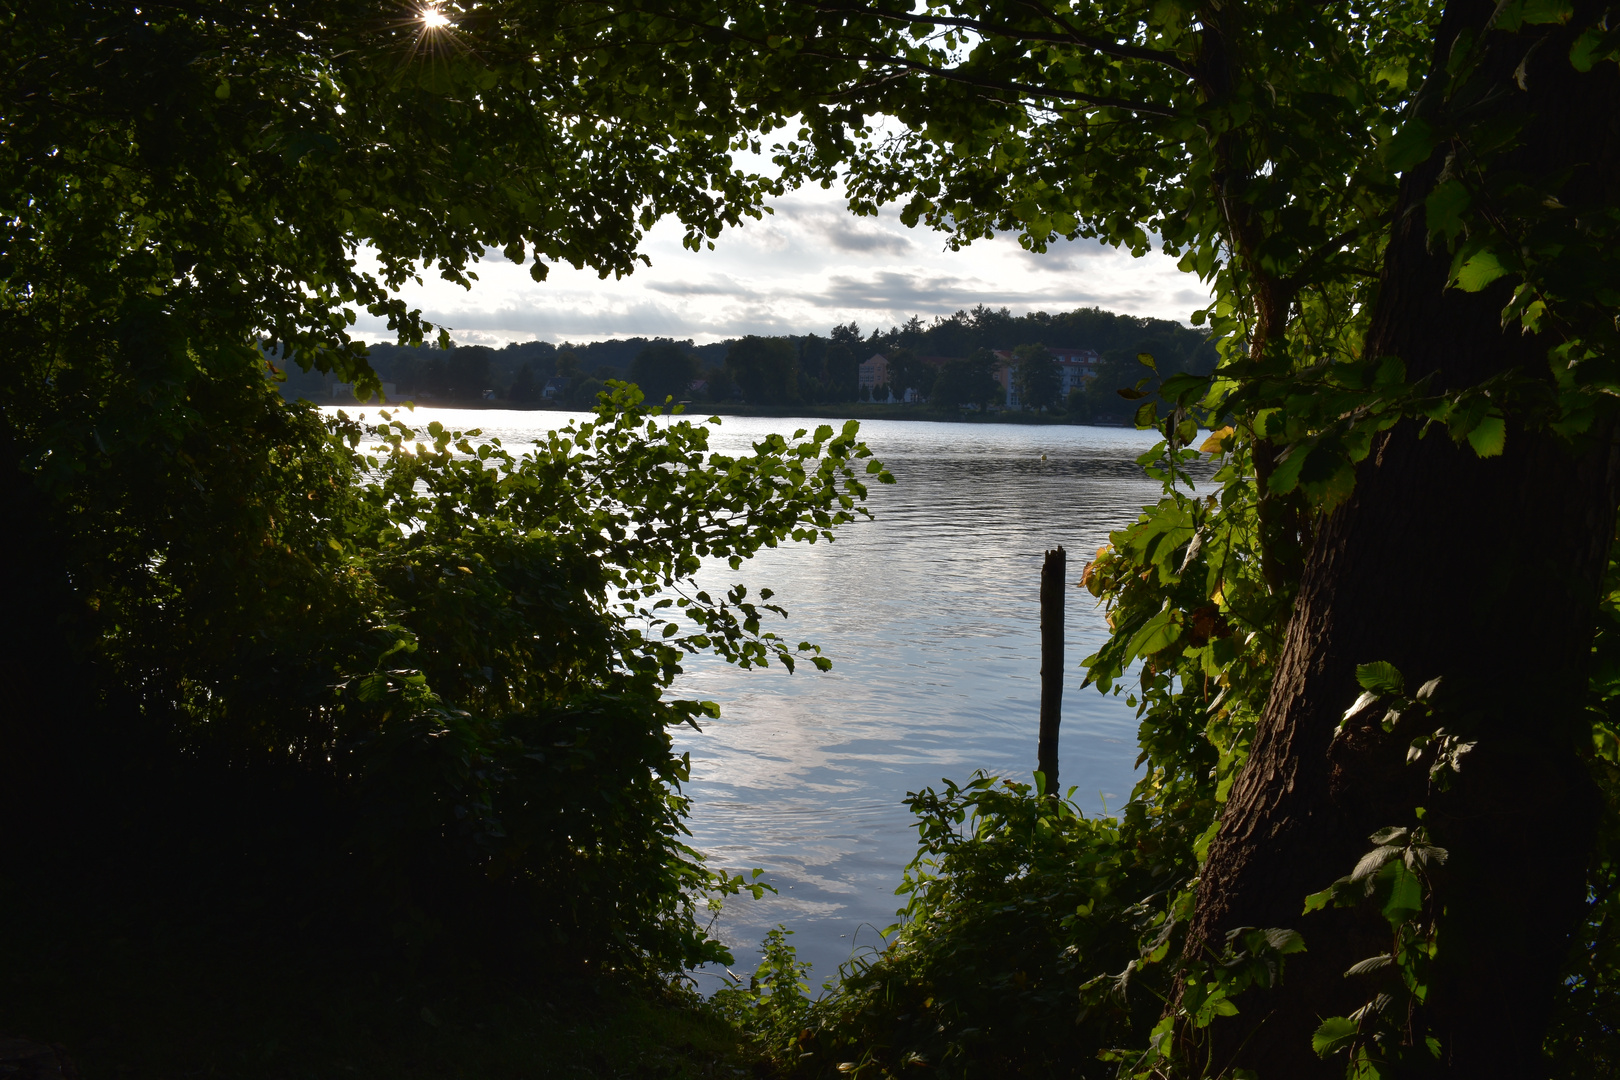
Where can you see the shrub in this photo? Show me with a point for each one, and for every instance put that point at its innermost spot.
(447, 658)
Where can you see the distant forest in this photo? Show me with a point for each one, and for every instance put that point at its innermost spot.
(785, 370)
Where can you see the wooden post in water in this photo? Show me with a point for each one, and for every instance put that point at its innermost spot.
(1052, 581)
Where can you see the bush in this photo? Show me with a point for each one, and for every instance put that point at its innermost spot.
(1021, 914)
(434, 666)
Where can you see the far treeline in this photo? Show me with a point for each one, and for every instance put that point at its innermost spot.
(805, 369)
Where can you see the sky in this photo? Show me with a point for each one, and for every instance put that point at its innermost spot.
(807, 267)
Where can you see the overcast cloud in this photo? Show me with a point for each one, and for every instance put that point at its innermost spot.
(804, 269)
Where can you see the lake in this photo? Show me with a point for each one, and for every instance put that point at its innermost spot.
(930, 614)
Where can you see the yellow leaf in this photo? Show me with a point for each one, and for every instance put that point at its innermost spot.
(1215, 444)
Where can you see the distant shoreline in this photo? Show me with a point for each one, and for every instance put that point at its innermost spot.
(845, 410)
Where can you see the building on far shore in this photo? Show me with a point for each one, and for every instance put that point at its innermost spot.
(874, 372)
(1079, 366)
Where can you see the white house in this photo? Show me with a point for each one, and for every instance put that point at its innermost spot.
(1078, 366)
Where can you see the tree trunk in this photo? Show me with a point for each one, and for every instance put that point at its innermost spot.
(1484, 572)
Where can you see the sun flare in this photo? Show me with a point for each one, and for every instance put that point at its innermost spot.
(434, 19)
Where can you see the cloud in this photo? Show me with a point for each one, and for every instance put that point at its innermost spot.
(482, 337)
(1066, 256)
(800, 220)
(892, 291)
(713, 287)
(804, 269)
(846, 237)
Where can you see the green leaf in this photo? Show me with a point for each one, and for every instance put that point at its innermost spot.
(1405, 895)
(1319, 901)
(1489, 436)
(1592, 47)
(1366, 698)
(1370, 965)
(1331, 1034)
(1480, 270)
(1444, 207)
(1328, 476)
(1519, 13)
(1146, 416)
(1146, 359)
(1381, 677)
(1286, 476)
(1157, 634)
(1286, 942)
(1391, 372)
(1410, 145)
(1201, 845)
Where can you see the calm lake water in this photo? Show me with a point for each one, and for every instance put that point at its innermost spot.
(930, 613)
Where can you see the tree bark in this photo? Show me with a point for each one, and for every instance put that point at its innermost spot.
(1484, 572)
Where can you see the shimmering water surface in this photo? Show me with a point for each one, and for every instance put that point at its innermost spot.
(930, 614)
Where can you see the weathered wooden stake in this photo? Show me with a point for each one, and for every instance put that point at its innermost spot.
(1052, 581)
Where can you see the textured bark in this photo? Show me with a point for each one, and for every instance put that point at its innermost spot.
(1485, 572)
